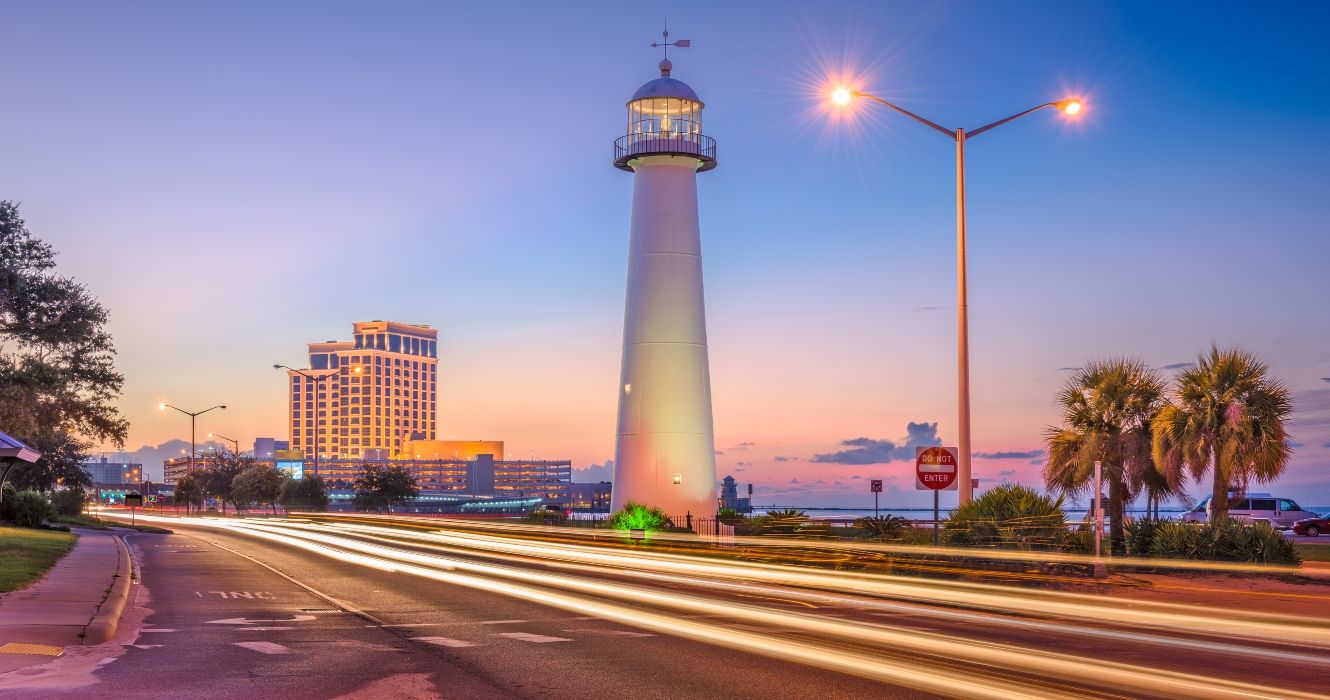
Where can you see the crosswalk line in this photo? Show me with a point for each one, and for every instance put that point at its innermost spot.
(445, 642)
(264, 647)
(535, 638)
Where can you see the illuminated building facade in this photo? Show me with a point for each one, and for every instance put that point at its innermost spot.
(366, 397)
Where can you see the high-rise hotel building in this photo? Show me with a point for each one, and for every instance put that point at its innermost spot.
(367, 397)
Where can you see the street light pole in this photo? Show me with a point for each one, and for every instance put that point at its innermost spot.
(842, 96)
(315, 381)
(235, 444)
(193, 415)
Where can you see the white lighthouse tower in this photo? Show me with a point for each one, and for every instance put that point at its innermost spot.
(664, 453)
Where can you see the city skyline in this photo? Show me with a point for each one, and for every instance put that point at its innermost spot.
(828, 242)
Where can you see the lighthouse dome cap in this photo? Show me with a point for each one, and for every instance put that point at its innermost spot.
(665, 86)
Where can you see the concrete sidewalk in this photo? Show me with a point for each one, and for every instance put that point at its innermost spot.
(85, 586)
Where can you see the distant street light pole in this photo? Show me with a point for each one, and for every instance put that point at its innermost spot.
(315, 380)
(235, 443)
(193, 415)
(843, 96)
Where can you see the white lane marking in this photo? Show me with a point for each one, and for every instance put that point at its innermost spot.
(155, 629)
(445, 642)
(260, 629)
(146, 646)
(246, 620)
(503, 622)
(264, 647)
(536, 638)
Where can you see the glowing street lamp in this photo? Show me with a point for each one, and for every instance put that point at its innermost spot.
(843, 96)
(192, 416)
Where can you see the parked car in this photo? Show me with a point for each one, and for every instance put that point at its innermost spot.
(1312, 527)
(1281, 513)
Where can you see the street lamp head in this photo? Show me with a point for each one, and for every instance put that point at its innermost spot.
(161, 407)
(1070, 106)
(276, 366)
(842, 96)
(223, 407)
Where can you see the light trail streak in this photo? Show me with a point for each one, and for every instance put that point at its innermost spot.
(528, 585)
(741, 584)
(1151, 614)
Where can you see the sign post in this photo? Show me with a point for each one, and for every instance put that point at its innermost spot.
(134, 501)
(935, 470)
(875, 485)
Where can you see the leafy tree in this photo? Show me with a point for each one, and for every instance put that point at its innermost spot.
(259, 484)
(381, 487)
(309, 492)
(189, 490)
(61, 464)
(1107, 409)
(1227, 417)
(218, 474)
(57, 371)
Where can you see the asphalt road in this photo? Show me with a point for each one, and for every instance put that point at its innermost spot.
(221, 625)
(363, 610)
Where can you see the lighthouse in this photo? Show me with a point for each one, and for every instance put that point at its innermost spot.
(665, 453)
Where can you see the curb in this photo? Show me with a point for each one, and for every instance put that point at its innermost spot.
(107, 618)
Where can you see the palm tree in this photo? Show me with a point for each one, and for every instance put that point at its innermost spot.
(1227, 418)
(1107, 409)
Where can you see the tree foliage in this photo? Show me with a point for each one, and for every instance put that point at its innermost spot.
(219, 474)
(309, 493)
(1107, 409)
(189, 491)
(1227, 417)
(260, 484)
(381, 487)
(61, 464)
(57, 370)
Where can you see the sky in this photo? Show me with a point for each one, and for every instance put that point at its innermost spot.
(237, 179)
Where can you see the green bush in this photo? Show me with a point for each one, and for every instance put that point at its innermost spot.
(884, 527)
(1224, 540)
(1140, 535)
(1008, 516)
(7, 503)
(30, 509)
(309, 493)
(1081, 540)
(635, 516)
(68, 501)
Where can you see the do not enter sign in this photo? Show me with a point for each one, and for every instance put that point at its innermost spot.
(935, 468)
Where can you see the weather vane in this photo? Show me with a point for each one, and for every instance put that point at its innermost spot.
(666, 43)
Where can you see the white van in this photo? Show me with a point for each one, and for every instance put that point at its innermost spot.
(1279, 512)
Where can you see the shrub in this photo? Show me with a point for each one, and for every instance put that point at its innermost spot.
(7, 503)
(635, 516)
(885, 527)
(1223, 540)
(1081, 540)
(1140, 534)
(1009, 516)
(30, 509)
(68, 501)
